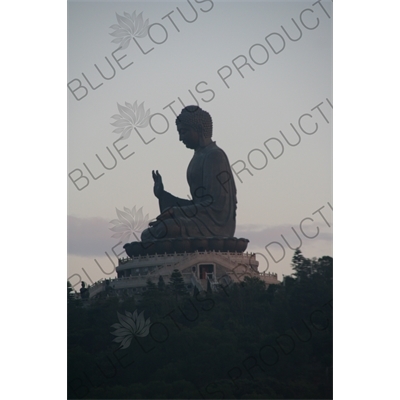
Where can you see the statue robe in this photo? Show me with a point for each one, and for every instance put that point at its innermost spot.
(212, 210)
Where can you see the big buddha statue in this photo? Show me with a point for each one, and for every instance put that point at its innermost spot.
(206, 222)
(212, 210)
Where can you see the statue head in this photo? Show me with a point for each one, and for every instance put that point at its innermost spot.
(194, 126)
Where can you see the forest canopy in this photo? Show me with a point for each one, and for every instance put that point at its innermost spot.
(248, 340)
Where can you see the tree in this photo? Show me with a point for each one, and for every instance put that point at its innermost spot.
(301, 265)
(325, 267)
(84, 291)
(177, 284)
(70, 295)
(243, 322)
(161, 284)
(150, 286)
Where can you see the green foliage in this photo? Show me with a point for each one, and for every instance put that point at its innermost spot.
(247, 341)
(177, 284)
(209, 290)
(161, 284)
(70, 294)
(300, 264)
(150, 286)
(84, 291)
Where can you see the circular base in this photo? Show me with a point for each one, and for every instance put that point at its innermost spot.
(188, 245)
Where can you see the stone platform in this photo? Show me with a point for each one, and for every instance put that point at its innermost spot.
(199, 269)
(188, 245)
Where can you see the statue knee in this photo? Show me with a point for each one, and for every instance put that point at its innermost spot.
(146, 235)
(164, 229)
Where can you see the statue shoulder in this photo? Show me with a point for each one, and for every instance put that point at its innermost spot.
(215, 152)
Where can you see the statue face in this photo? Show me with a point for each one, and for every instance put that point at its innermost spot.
(188, 136)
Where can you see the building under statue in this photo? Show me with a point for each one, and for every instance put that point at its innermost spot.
(199, 269)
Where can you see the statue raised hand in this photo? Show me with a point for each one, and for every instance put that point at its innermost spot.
(158, 184)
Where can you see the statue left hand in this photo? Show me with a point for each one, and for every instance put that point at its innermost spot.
(167, 214)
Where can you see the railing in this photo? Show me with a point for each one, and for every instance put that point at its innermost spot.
(96, 288)
(124, 260)
(174, 259)
(268, 273)
(195, 282)
(140, 280)
(213, 284)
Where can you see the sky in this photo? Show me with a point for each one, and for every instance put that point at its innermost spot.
(259, 86)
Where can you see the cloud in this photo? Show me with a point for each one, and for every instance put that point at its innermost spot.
(260, 236)
(89, 236)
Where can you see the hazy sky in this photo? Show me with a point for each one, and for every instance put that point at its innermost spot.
(273, 82)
